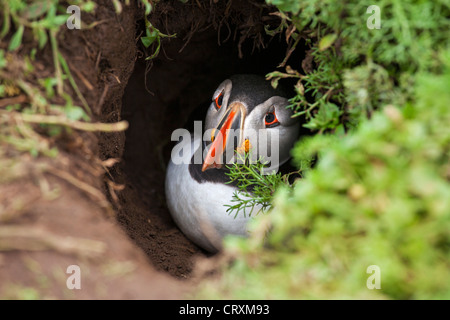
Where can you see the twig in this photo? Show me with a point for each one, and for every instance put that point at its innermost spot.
(58, 74)
(32, 94)
(63, 63)
(96, 193)
(38, 239)
(14, 100)
(288, 54)
(80, 75)
(17, 206)
(63, 121)
(100, 102)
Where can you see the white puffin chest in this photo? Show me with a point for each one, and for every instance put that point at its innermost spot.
(198, 208)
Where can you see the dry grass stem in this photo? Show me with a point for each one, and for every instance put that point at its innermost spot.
(37, 239)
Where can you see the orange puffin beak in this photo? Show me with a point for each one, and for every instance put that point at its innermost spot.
(233, 119)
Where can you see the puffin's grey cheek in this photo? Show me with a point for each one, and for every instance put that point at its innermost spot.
(268, 147)
(286, 118)
(289, 137)
(211, 118)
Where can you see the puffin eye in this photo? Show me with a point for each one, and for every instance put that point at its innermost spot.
(271, 120)
(219, 100)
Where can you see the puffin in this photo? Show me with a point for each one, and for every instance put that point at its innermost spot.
(197, 187)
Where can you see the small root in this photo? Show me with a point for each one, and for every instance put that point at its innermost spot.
(92, 191)
(63, 121)
(14, 238)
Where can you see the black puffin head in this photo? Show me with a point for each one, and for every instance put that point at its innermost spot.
(251, 89)
(248, 104)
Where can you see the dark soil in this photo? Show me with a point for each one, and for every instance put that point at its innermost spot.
(213, 41)
(179, 83)
(54, 213)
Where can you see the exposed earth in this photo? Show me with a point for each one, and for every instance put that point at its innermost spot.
(100, 203)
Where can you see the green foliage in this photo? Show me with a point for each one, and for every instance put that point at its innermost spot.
(16, 39)
(355, 67)
(286, 5)
(43, 19)
(378, 192)
(40, 16)
(153, 36)
(147, 4)
(326, 118)
(38, 110)
(379, 195)
(254, 186)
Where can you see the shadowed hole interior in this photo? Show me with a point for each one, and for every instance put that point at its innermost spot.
(169, 93)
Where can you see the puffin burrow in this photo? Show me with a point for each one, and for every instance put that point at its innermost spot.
(197, 193)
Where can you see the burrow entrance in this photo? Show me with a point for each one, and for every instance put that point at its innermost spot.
(213, 42)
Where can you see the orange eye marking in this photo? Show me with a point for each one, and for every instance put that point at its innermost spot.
(270, 119)
(219, 100)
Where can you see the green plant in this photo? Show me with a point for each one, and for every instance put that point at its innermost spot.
(356, 68)
(27, 101)
(378, 193)
(255, 188)
(346, 77)
(153, 36)
(38, 115)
